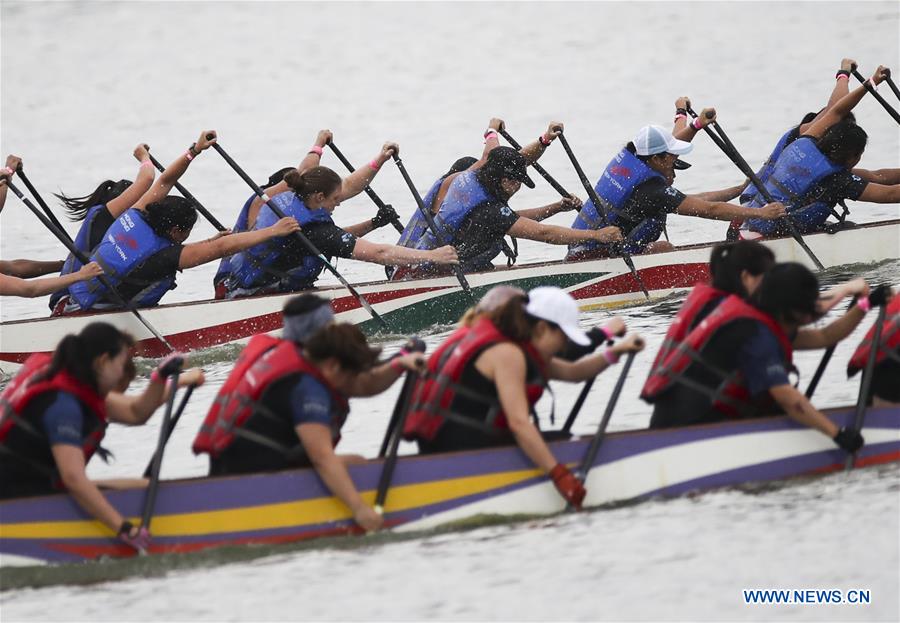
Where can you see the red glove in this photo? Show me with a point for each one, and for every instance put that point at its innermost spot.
(567, 485)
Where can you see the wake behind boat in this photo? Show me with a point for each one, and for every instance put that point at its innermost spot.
(430, 491)
(412, 306)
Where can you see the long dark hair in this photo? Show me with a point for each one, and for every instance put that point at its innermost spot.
(170, 212)
(512, 320)
(344, 342)
(78, 207)
(76, 353)
(460, 165)
(843, 143)
(787, 291)
(315, 180)
(727, 261)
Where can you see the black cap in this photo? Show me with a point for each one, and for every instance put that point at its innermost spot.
(681, 165)
(509, 163)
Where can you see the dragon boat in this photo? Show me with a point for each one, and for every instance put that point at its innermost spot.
(413, 305)
(430, 491)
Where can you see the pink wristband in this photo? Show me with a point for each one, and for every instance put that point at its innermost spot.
(145, 163)
(544, 141)
(696, 124)
(610, 356)
(187, 154)
(489, 136)
(679, 116)
(395, 366)
(840, 76)
(8, 171)
(315, 149)
(864, 304)
(374, 165)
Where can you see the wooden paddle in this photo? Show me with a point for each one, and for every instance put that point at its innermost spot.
(439, 233)
(306, 242)
(601, 207)
(153, 487)
(368, 189)
(184, 193)
(734, 155)
(61, 236)
(859, 417)
(171, 427)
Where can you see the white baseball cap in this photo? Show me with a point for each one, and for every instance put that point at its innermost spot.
(655, 139)
(557, 306)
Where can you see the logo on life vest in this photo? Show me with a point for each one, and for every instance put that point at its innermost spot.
(799, 171)
(126, 241)
(620, 171)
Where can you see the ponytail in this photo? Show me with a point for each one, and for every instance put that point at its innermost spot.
(315, 180)
(512, 320)
(76, 354)
(78, 207)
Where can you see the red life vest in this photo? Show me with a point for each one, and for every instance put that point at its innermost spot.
(889, 346)
(264, 361)
(23, 389)
(701, 295)
(730, 397)
(434, 394)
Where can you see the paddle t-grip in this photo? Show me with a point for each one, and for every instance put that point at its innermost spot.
(558, 128)
(710, 114)
(210, 136)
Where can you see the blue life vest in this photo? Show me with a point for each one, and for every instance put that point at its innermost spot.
(128, 244)
(82, 242)
(417, 225)
(769, 165)
(622, 175)
(799, 168)
(239, 226)
(254, 267)
(464, 195)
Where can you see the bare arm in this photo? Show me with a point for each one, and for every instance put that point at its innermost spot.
(13, 286)
(393, 255)
(136, 410)
(589, 366)
(26, 269)
(504, 364)
(834, 332)
(70, 463)
(553, 234)
(356, 182)
(721, 211)
(535, 150)
(724, 195)
(888, 177)
(879, 193)
(840, 109)
(166, 181)
(142, 183)
(198, 253)
(688, 132)
(798, 408)
(360, 229)
(545, 212)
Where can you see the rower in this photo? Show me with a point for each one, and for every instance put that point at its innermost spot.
(735, 363)
(55, 414)
(637, 189)
(284, 404)
(885, 388)
(434, 198)
(144, 249)
(288, 266)
(483, 393)
(100, 209)
(14, 286)
(817, 171)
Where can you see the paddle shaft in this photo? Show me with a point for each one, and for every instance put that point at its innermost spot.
(734, 155)
(171, 427)
(826, 358)
(598, 203)
(860, 416)
(432, 225)
(60, 235)
(591, 453)
(306, 242)
(408, 384)
(884, 103)
(893, 86)
(153, 487)
(541, 170)
(579, 402)
(184, 193)
(21, 172)
(368, 189)
(390, 462)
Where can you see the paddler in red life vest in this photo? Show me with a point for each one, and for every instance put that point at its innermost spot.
(288, 266)
(735, 363)
(434, 198)
(637, 189)
(885, 388)
(817, 171)
(143, 251)
(285, 402)
(484, 393)
(55, 412)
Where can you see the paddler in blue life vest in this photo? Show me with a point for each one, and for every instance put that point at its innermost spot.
(285, 401)
(637, 189)
(735, 363)
(484, 392)
(143, 251)
(55, 413)
(287, 265)
(434, 198)
(737, 268)
(817, 171)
